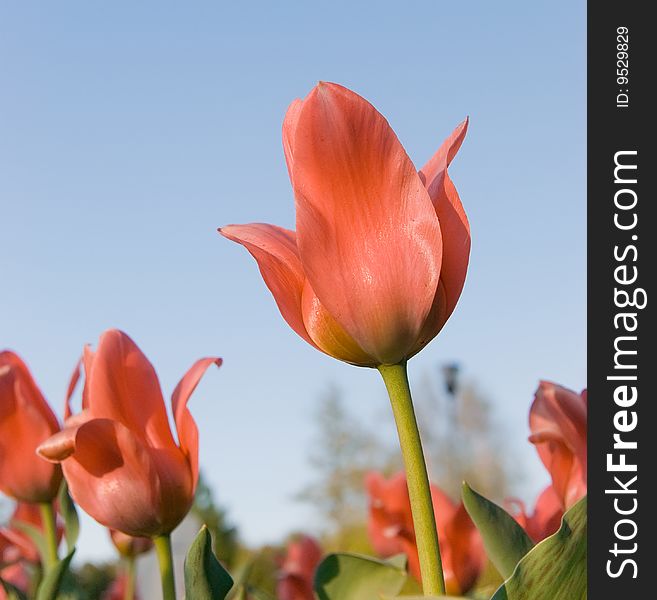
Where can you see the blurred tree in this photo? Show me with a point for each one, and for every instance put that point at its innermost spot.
(342, 452)
(224, 535)
(462, 439)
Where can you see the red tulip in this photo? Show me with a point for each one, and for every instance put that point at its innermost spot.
(129, 546)
(557, 420)
(16, 552)
(26, 420)
(298, 570)
(380, 253)
(546, 518)
(118, 587)
(30, 515)
(391, 531)
(119, 457)
(15, 574)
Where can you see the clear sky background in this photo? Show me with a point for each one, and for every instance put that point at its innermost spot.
(130, 131)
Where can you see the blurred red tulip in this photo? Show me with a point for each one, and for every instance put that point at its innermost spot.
(16, 575)
(28, 514)
(129, 546)
(391, 531)
(546, 518)
(12, 564)
(298, 570)
(120, 460)
(557, 420)
(118, 587)
(380, 253)
(26, 421)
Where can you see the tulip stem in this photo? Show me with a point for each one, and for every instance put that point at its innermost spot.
(50, 557)
(165, 560)
(395, 378)
(130, 573)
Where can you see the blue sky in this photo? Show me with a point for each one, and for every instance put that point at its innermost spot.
(130, 131)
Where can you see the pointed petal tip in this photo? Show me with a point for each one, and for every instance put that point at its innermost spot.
(231, 232)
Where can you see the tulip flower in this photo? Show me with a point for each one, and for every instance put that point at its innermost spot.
(18, 552)
(12, 570)
(128, 546)
(546, 517)
(120, 589)
(557, 420)
(380, 252)
(377, 262)
(119, 457)
(31, 516)
(391, 531)
(298, 570)
(124, 586)
(26, 421)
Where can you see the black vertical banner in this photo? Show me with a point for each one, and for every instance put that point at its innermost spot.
(622, 266)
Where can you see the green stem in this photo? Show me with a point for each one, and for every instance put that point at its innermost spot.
(396, 379)
(50, 557)
(130, 573)
(165, 559)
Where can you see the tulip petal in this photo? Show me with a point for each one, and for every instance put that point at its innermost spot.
(123, 386)
(72, 385)
(125, 485)
(557, 420)
(328, 335)
(468, 557)
(275, 251)
(26, 420)
(289, 129)
(547, 513)
(434, 321)
(453, 220)
(185, 424)
(545, 519)
(367, 234)
(433, 173)
(61, 445)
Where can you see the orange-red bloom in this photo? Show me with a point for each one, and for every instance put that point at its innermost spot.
(391, 531)
(557, 420)
(129, 546)
(546, 518)
(14, 573)
(120, 460)
(17, 550)
(26, 420)
(380, 252)
(298, 570)
(117, 589)
(30, 515)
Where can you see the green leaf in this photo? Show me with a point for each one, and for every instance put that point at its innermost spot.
(555, 568)
(205, 578)
(505, 540)
(70, 515)
(354, 577)
(53, 578)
